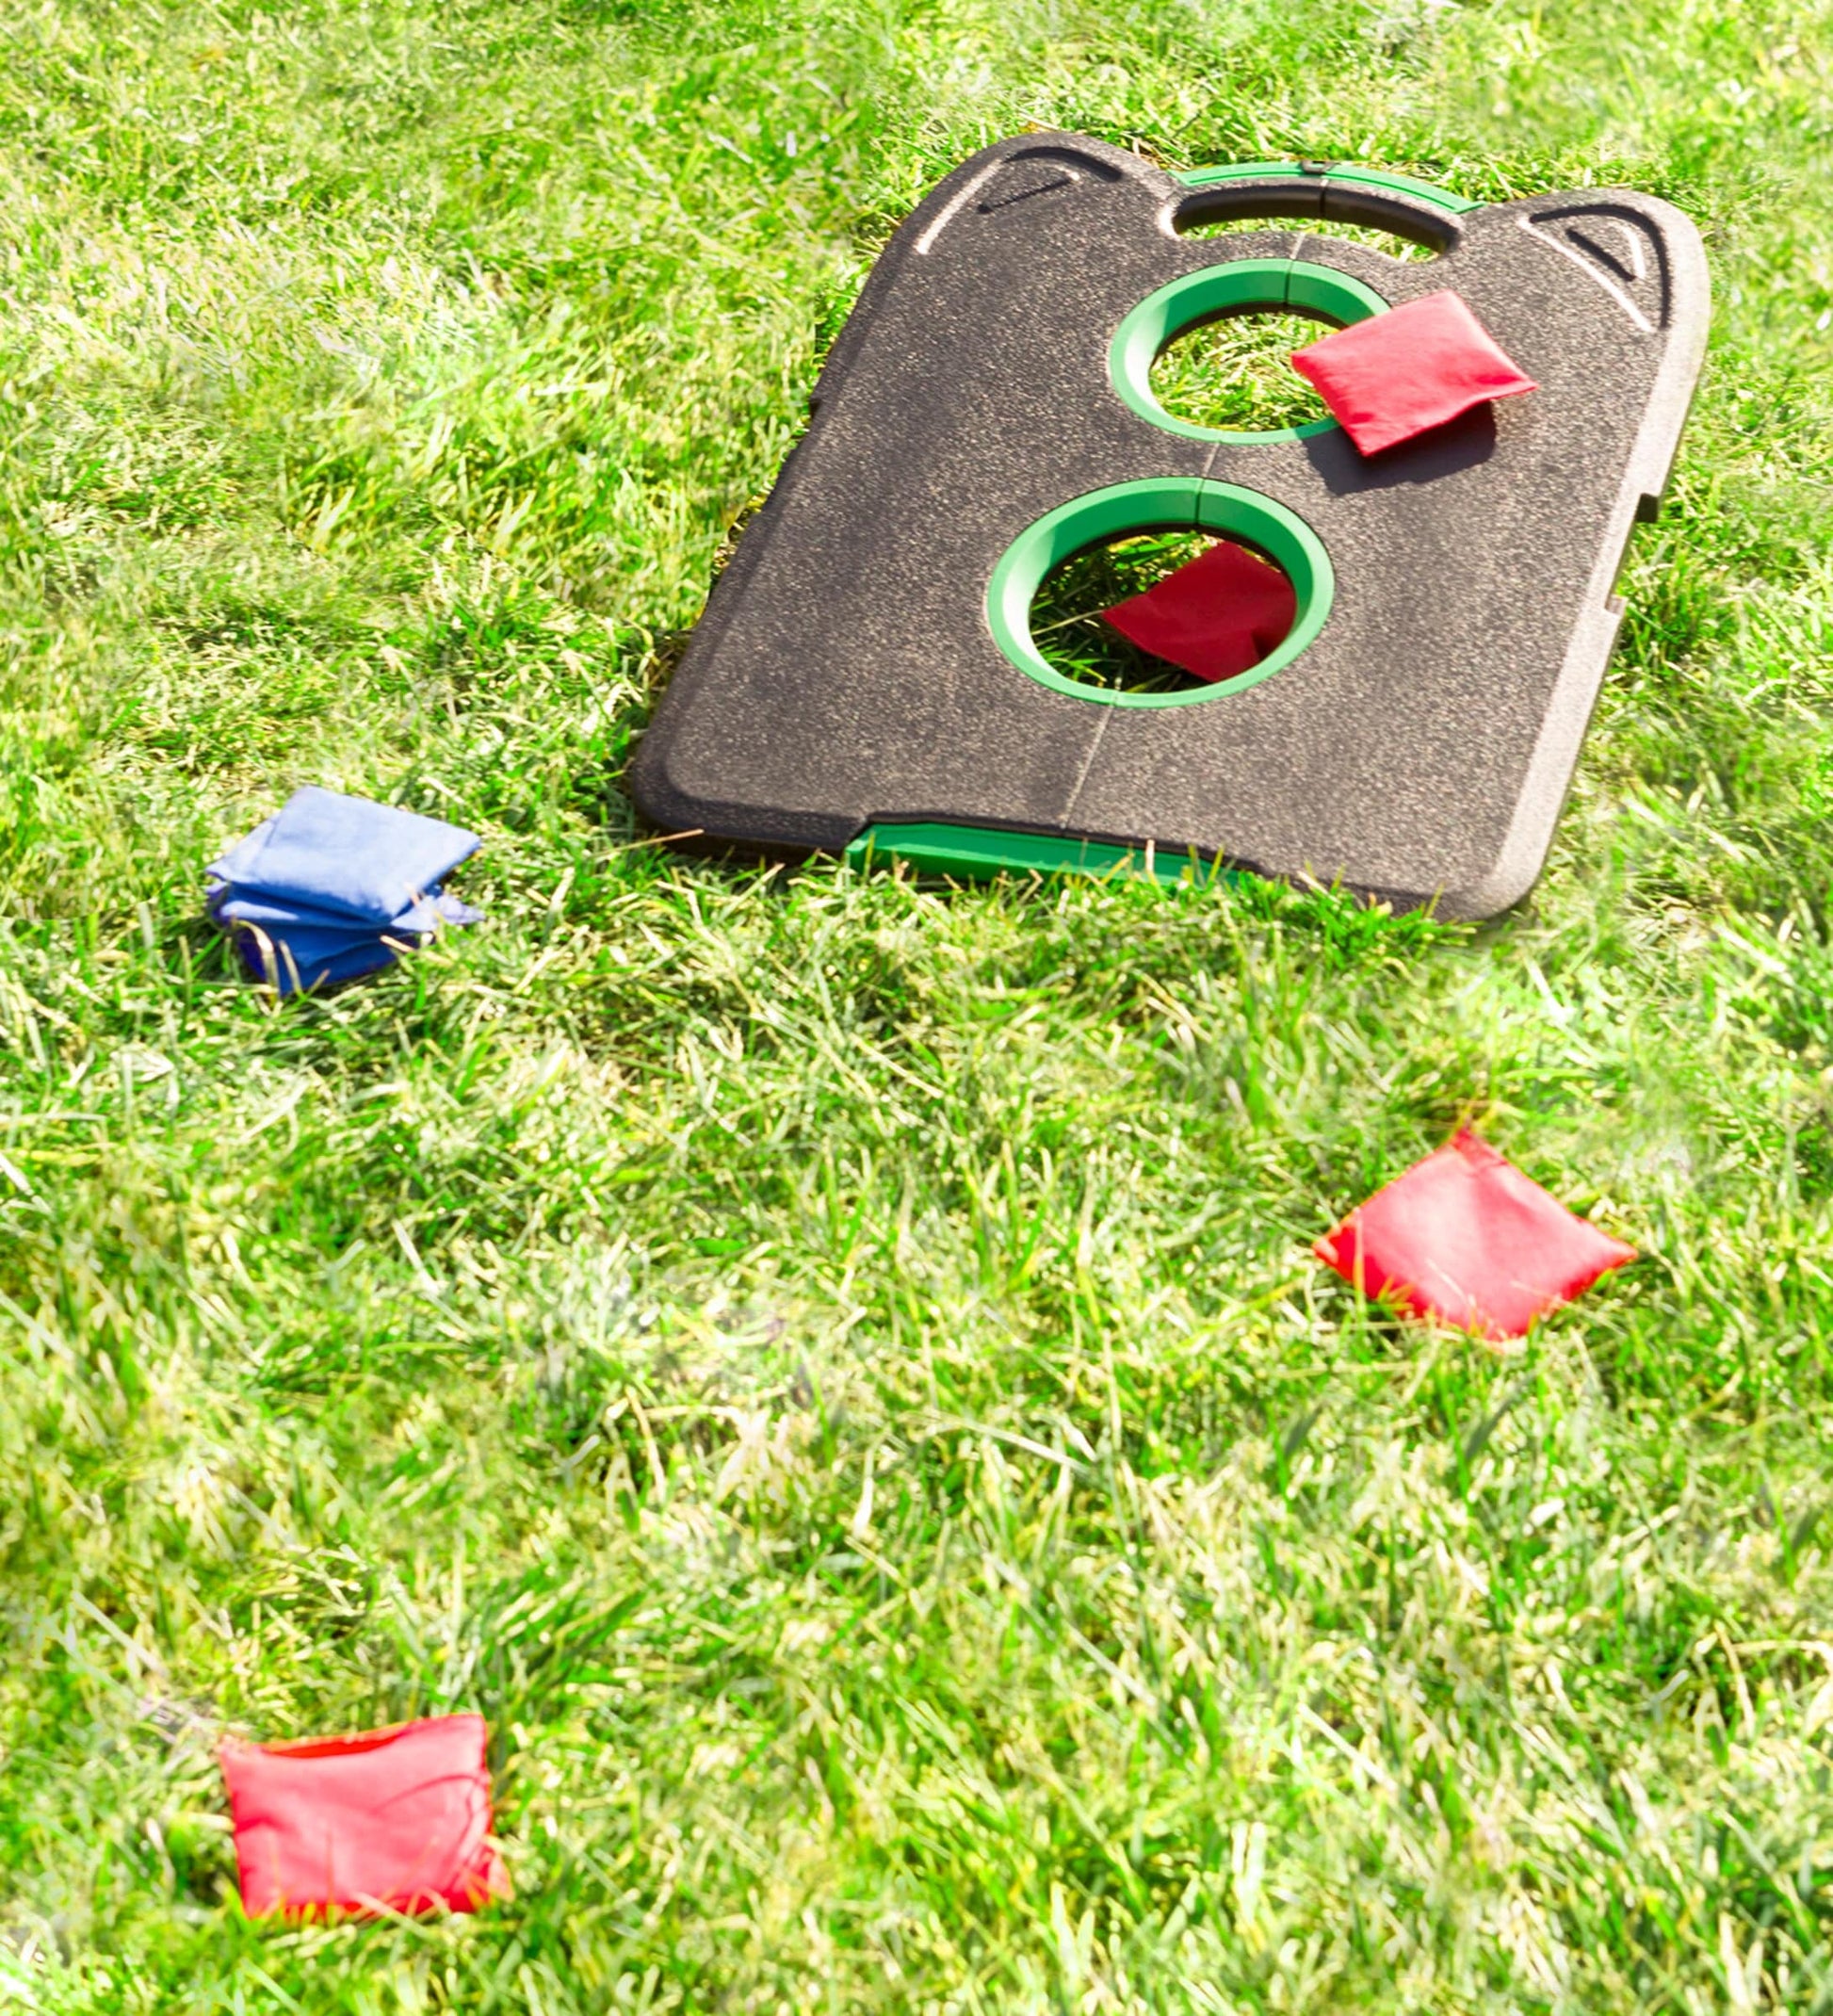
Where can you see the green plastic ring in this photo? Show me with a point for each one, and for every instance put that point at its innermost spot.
(1159, 503)
(1236, 288)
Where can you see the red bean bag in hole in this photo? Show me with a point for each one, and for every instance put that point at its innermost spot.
(1216, 616)
(1465, 1238)
(1416, 367)
(398, 1820)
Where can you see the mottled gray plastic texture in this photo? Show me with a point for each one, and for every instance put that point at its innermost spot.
(845, 674)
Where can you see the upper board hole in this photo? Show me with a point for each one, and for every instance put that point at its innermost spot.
(1237, 373)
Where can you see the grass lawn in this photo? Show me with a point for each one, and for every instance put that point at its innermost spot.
(831, 1367)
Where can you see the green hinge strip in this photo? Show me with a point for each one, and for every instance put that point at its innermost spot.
(976, 854)
(1368, 178)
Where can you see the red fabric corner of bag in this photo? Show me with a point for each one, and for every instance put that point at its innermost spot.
(1216, 616)
(1465, 1238)
(1418, 365)
(396, 1820)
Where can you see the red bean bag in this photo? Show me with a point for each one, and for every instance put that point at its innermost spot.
(1465, 1238)
(398, 1820)
(1216, 616)
(1396, 374)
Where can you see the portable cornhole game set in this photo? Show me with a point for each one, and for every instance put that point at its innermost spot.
(866, 679)
(332, 888)
(1468, 1239)
(396, 1820)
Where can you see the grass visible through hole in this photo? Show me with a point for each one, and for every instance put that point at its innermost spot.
(1237, 373)
(1368, 235)
(1067, 626)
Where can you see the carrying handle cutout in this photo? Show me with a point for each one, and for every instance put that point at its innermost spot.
(1414, 211)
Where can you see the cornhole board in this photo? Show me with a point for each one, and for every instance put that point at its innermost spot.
(864, 678)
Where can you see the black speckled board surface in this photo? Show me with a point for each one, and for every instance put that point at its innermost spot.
(845, 674)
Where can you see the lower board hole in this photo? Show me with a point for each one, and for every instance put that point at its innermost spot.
(1219, 619)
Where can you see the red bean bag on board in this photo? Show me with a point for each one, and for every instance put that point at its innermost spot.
(1418, 365)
